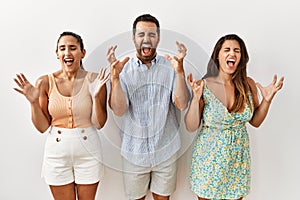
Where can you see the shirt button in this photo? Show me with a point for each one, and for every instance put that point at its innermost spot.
(58, 139)
(84, 137)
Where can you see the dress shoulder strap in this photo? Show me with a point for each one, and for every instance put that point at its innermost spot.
(204, 81)
(51, 82)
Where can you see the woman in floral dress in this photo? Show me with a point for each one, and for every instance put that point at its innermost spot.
(223, 102)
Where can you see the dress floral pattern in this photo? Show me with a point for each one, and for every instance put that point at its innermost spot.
(220, 167)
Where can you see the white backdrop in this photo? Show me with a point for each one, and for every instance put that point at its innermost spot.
(270, 29)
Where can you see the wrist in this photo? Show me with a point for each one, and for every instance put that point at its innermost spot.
(180, 73)
(35, 103)
(266, 101)
(196, 99)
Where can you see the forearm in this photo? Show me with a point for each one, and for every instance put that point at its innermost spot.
(39, 119)
(260, 113)
(117, 100)
(181, 94)
(193, 115)
(100, 111)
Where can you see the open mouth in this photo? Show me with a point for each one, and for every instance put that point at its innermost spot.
(230, 62)
(146, 49)
(69, 61)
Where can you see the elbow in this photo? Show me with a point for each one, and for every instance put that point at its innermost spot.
(119, 112)
(102, 123)
(42, 129)
(190, 129)
(183, 107)
(255, 124)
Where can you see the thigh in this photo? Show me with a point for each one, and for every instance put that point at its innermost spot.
(163, 178)
(57, 164)
(87, 191)
(63, 192)
(87, 162)
(136, 180)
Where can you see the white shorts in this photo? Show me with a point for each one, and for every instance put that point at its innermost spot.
(160, 179)
(72, 155)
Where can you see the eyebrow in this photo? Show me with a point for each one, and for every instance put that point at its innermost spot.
(70, 45)
(237, 48)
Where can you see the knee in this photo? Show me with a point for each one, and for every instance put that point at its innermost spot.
(159, 197)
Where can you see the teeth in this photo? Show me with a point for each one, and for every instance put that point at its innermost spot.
(68, 60)
(146, 46)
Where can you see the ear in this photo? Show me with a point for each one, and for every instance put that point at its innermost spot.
(83, 52)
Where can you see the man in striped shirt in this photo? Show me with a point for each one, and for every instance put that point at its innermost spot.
(146, 90)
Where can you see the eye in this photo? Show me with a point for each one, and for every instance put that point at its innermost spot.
(140, 34)
(152, 34)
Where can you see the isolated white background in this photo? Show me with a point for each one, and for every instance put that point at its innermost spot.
(30, 28)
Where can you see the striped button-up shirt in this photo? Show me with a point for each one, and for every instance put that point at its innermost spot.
(150, 130)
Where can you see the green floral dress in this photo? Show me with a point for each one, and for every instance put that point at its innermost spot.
(220, 167)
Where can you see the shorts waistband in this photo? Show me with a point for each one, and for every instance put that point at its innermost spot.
(72, 132)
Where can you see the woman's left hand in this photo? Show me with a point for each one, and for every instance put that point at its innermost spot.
(269, 91)
(177, 61)
(99, 82)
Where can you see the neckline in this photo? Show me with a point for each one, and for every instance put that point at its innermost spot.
(69, 97)
(216, 99)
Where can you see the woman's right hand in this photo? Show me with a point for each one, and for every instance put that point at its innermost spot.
(31, 92)
(197, 86)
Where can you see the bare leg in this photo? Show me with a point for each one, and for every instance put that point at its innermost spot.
(87, 191)
(64, 192)
(159, 197)
(199, 198)
(143, 198)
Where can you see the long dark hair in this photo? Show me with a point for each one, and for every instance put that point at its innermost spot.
(239, 77)
(76, 36)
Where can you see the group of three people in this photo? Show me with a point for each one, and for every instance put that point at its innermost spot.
(146, 90)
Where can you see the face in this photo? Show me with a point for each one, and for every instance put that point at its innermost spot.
(69, 53)
(229, 56)
(146, 40)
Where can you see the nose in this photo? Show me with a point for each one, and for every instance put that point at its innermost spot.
(232, 53)
(68, 51)
(146, 38)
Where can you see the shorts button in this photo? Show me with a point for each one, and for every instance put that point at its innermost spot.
(82, 131)
(84, 137)
(59, 132)
(58, 139)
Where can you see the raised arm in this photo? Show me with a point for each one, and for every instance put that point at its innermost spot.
(117, 100)
(194, 113)
(181, 94)
(261, 109)
(99, 93)
(38, 99)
